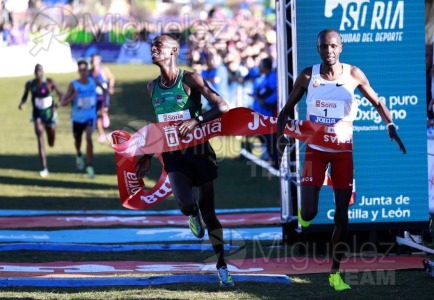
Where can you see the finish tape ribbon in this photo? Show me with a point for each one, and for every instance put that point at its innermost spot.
(156, 138)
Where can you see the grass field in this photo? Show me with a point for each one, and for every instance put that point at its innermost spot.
(67, 189)
(239, 185)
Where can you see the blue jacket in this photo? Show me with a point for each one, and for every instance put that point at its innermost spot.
(266, 88)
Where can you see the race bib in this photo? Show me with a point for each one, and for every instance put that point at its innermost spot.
(174, 116)
(43, 103)
(326, 112)
(86, 102)
(99, 90)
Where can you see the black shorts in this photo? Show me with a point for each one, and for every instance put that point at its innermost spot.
(78, 128)
(199, 163)
(47, 116)
(99, 105)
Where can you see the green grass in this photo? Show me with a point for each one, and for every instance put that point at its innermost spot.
(240, 184)
(405, 285)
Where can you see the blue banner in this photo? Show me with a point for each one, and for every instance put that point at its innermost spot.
(109, 51)
(385, 39)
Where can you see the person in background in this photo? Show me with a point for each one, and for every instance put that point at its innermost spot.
(265, 103)
(107, 79)
(216, 74)
(82, 94)
(44, 114)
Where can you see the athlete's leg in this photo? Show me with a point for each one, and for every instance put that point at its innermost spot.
(309, 202)
(51, 135)
(183, 193)
(39, 131)
(77, 129)
(314, 167)
(342, 178)
(99, 121)
(100, 128)
(89, 144)
(215, 230)
(340, 233)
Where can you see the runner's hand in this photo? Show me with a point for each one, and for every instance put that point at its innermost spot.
(394, 136)
(143, 165)
(184, 127)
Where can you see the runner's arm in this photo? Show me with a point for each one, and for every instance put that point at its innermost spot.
(68, 96)
(365, 88)
(298, 90)
(219, 106)
(196, 84)
(57, 89)
(369, 93)
(110, 80)
(25, 95)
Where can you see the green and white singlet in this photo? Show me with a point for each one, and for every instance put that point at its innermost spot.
(173, 104)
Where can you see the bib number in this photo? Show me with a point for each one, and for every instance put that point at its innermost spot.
(86, 102)
(326, 112)
(174, 116)
(43, 103)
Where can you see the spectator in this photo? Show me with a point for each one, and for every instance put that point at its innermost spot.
(265, 103)
(16, 34)
(216, 74)
(6, 34)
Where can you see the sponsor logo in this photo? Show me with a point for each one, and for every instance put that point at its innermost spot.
(171, 136)
(324, 104)
(206, 130)
(132, 183)
(136, 142)
(175, 116)
(339, 84)
(334, 139)
(380, 21)
(323, 120)
(156, 102)
(164, 191)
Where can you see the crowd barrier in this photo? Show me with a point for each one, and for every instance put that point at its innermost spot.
(128, 53)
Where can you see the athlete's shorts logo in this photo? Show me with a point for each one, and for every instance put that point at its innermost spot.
(350, 12)
(171, 136)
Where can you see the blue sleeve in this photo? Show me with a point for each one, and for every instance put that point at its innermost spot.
(271, 83)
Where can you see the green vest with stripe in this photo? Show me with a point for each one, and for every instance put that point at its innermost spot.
(173, 104)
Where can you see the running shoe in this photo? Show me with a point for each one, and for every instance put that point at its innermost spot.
(225, 277)
(90, 172)
(413, 238)
(337, 283)
(79, 162)
(44, 173)
(301, 221)
(196, 226)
